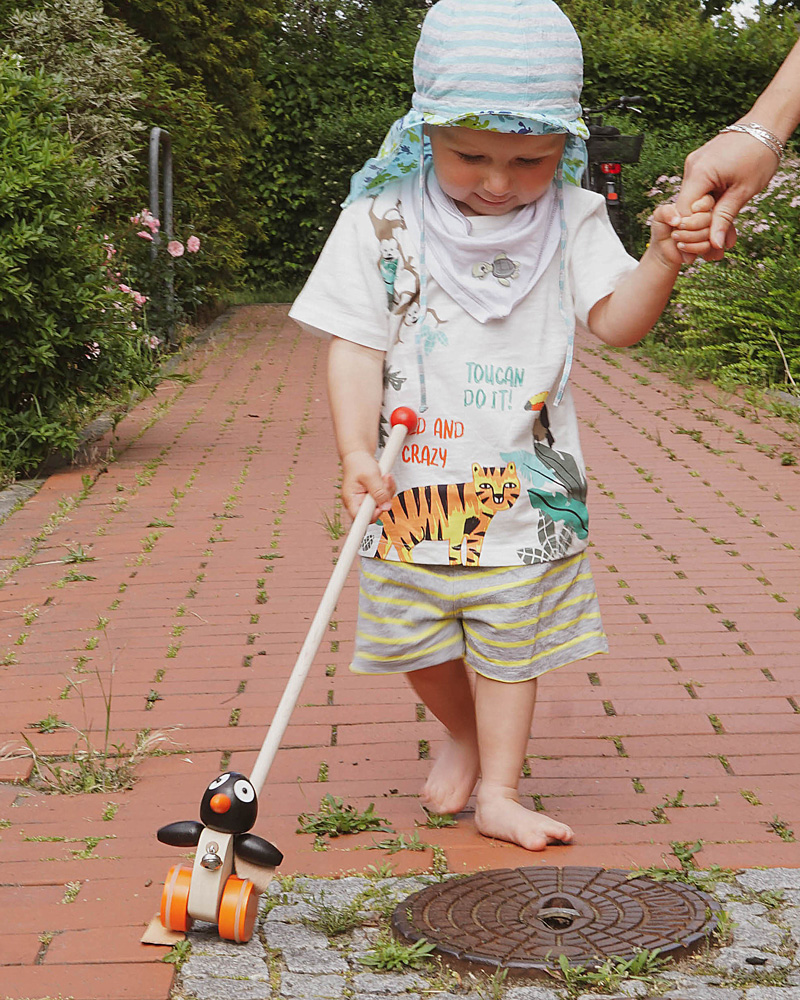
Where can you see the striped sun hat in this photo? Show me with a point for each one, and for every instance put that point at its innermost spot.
(500, 65)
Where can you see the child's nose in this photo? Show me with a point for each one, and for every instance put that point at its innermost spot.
(497, 183)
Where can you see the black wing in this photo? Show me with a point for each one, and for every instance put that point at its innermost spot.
(257, 851)
(185, 833)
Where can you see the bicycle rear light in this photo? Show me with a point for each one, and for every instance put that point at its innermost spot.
(611, 168)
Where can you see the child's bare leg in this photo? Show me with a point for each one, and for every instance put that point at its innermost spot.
(445, 689)
(504, 713)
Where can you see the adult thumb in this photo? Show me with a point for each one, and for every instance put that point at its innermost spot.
(723, 234)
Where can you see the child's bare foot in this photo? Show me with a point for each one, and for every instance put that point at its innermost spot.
(500, 814)
(452, 777)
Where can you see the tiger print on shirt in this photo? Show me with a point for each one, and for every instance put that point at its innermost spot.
(454, 512)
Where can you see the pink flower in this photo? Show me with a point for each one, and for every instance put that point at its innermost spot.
(152, 342)
(124, 288)
(175, 248)
(193, 244)
(139, 299)
(145, 235)
(148, 219)
(93, 351)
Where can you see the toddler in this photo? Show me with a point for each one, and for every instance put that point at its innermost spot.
(452, 283)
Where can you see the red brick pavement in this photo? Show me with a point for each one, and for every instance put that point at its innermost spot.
(209, 554)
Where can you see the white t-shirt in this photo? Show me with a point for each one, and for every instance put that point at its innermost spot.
(493, 475)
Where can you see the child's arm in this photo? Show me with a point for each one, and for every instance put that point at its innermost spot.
(355, 388)
(630, 311)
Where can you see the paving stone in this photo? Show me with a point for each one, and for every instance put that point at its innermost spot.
(376, 983)
(753, 930)
(226, 966)
(313, 960)
(705, 993)
(790, 919)
(225, 989)
(281, 935)
(389, 996)
(362, 939)
(293, 913)
(633, 988)
(602, 996)
(295, 984)
(773, 993)
(336, 893)
(772, 878)
(205, 940)
(735, 960)
(16, 493)
(530, 993)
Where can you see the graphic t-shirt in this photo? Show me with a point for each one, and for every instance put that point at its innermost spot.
(493, 474)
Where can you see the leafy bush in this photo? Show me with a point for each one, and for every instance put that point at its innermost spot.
(67, 339)
(739, 320)
(99, 65)
(335, 74)
(202, 86)
(689, 69)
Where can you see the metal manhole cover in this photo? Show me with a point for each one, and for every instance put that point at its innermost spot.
(524, 918)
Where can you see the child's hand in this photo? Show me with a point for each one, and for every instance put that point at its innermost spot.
(362, 477)
(676, 239)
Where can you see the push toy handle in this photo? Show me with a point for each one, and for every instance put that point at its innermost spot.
(404, 421)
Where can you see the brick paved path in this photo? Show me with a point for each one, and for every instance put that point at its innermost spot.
(209, 548)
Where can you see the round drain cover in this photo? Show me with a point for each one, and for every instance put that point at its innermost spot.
(524, 918)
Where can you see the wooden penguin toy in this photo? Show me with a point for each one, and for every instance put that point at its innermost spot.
(215, 888)
(231, 866)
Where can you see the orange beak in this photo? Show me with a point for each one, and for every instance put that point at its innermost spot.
(220, 803)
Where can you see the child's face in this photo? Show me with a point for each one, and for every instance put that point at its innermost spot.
(491, 173)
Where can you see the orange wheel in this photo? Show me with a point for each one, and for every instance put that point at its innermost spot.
(238, 909)
(175, 899)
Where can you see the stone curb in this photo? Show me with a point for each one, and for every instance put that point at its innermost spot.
(759, 961)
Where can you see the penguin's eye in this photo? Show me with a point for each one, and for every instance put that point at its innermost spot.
(219, 781)
(244, 791)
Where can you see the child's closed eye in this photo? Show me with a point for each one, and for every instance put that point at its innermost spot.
(469, 157)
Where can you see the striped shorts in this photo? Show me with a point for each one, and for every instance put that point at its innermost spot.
(508, 623)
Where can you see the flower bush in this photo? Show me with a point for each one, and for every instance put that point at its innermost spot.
(159, 277)
(738, 320)
(70, 338)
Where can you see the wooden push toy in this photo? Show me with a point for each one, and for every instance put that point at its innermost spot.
(232, 867)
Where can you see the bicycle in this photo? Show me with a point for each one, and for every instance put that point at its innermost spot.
(608, 149)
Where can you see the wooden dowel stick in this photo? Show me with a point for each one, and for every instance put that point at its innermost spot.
(322, 618)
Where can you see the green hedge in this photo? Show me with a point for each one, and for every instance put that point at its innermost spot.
(67, 340)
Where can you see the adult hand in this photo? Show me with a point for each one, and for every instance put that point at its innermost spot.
(733, 167)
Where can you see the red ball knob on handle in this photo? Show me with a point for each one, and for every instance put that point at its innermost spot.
(406, 416)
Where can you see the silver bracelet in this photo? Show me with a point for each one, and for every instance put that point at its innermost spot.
(769, 139)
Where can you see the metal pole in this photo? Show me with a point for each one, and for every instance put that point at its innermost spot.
(159, 137)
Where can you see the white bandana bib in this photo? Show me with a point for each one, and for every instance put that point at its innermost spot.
(488, 267)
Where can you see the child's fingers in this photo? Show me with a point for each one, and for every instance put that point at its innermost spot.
(689, 238)
(704, 204)
(668, 214)
(699, 249)
(694, 223)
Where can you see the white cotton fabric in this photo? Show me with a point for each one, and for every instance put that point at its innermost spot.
(486, 270)
(489, 384)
